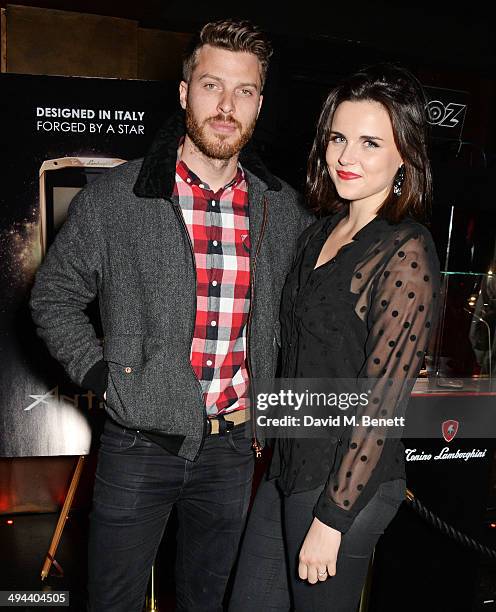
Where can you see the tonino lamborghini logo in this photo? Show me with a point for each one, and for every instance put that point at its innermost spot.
(449, 429)
(412, 454)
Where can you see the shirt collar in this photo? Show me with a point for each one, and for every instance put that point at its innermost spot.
(188, 176)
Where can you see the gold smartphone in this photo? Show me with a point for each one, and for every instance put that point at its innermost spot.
(60, 181)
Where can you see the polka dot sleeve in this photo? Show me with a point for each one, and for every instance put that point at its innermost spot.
(400, 317)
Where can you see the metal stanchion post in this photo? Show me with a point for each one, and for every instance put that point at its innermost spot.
(151, 602)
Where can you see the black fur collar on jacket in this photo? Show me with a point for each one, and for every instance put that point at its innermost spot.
(157, 174)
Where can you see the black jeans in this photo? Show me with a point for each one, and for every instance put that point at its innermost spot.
(137, 484)
(267, 573)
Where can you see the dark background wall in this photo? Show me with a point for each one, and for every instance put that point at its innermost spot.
(317, 42)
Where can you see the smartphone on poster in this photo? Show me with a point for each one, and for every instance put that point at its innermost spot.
(60, 180)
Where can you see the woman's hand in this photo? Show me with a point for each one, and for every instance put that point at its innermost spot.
(319, 552)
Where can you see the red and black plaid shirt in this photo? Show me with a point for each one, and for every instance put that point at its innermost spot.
(218, 225)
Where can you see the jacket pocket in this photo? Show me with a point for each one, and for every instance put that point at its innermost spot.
(125, 358)
(124, 352)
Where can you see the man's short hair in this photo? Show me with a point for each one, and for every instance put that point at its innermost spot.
(233, 36)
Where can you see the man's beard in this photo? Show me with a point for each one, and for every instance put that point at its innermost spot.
(217, 147)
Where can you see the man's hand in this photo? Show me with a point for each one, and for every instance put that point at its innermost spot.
(319, 552)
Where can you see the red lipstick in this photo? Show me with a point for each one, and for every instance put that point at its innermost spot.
(347, 176)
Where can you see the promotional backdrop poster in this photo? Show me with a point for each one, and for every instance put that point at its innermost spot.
(58, 133)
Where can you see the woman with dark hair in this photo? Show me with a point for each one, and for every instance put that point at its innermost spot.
(358, 304)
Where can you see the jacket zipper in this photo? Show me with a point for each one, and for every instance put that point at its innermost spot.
(256, 444)
(185, 227)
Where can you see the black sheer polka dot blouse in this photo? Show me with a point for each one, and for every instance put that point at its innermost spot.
(365, 314)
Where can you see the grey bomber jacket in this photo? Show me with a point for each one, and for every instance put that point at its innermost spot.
(126, 242)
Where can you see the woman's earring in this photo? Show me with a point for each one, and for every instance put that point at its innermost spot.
(398, 180)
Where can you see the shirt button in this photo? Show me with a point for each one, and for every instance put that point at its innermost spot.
(128, 370)
(188, 180)
(213, 323)
(214, 283)
(213, 203)
(215, 243)
(209, 362)
(201, 185)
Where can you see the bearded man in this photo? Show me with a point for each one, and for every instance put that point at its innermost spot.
(187, 250)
